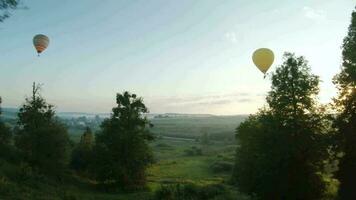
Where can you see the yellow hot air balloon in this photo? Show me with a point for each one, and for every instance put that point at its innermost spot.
(40, 42)
(263, 59)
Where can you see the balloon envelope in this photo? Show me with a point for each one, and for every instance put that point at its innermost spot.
(40, 42)
(263, 59)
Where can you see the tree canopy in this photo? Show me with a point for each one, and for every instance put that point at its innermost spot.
(6, 6)
(82, 152)
(121, 151)
(345, 121)
(282, 148)
(5, 133)
(41, 138)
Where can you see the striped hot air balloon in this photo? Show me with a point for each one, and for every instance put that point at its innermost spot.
(40, 42)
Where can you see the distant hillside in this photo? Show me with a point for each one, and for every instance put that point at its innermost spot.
(194, 127)
(168, 124)
(180, 115)
(12, 113)
(9, 113)
(81, 114)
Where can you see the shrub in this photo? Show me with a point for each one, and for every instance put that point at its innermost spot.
(193, 151)
(221, 166)
(192, 192)
(163, 146)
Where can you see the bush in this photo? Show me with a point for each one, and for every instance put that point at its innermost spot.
(192, 192)
(68, 196)
(10, 154)
(163, 146)
(221, 166)
(193, 151)
(81, 158)
(121, 152)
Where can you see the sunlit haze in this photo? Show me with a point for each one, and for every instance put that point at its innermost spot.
(180, 56)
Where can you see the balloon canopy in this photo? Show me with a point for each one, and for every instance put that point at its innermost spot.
(40, 42)
(263, 59)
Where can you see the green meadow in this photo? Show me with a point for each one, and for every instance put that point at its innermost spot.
(180, 158)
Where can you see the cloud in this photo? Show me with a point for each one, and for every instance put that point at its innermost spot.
(216, 102)
(314, 14)
(245, 100)
(231, 36)
(206, 100)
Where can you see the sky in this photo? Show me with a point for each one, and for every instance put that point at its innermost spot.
(186, 56)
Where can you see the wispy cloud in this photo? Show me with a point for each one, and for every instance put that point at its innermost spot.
(314, 14)
(219, 99)
(216, 103)
(231, 36)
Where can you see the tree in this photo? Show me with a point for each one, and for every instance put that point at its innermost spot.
(86, 140)
(345, 121)
(5, 6)
(5, 133)
(205, 139)
(41, 138)
(282, 148)
(82, 153)
(121, 151)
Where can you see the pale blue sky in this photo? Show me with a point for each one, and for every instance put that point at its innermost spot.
(187, 56)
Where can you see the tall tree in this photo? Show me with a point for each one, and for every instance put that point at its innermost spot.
(86, 140)
(5, 6)
(122, 153)
(345, 121)
(82, 153)
(282, 149)
(5, 133)
(41, 138)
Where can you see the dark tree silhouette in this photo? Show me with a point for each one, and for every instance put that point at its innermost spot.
(282, 148)
(122, 153)
(82, 153)
(41, 138)
(345, 121)
(5, 133)
(5, 6)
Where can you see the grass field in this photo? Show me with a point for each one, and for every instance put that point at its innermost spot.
(173, 165)
(179, 158)
(192, 127)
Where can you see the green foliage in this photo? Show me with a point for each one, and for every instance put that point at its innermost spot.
(21, 181)
(87, 139)
(282, 148)
(219, 128)
(82, 153)
(163, 146)
(193, 151)
(205, 139)
(222, 166)
(293, 89)
(345, 121)
(121, 152)
(192, 192)
(40, 137)
(5, 132)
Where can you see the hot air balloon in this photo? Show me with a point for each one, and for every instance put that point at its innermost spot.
(263, 59)
(40, 42)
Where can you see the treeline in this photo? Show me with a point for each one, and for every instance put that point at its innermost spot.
(116, 157)
(294, 147)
